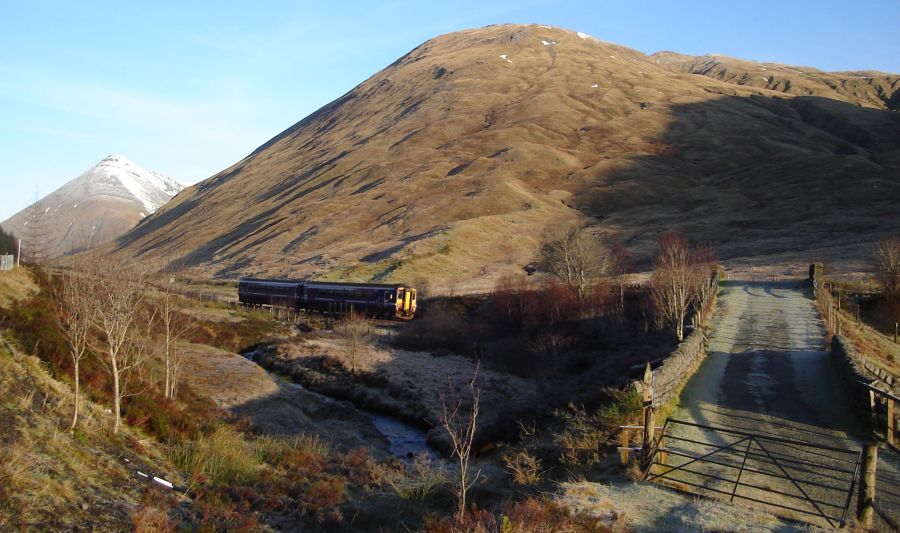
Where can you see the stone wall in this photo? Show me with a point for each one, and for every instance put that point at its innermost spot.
(671, 375)
(850, 371)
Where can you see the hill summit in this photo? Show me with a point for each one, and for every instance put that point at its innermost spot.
(457, 161)
(95, 207)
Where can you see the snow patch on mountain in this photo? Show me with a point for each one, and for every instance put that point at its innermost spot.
(150, 188)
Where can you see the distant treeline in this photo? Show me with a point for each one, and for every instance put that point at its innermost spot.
(7, 242)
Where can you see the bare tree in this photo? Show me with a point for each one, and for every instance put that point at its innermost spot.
(356, 329)
(550, 345)
(36, 233)
(576, 258)
(622, 265)
(175, 325)
(76, 318)
(886, 259)
(673, 285)
(124, 346)
(704, 269)
(461, 429)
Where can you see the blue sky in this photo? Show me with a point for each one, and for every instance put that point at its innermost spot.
(188, 88)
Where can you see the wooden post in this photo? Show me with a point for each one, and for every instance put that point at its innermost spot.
(873, 407)
(896, 326)
(890, 421)
(625, 440)
(865, 503)
(649, 422)
(839, 325)
(662, 455)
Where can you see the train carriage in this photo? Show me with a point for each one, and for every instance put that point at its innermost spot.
(394, 301)
(274, 292)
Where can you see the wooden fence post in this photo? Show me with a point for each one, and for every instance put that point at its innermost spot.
(890, 421)
(649, 422)
(623, 443)
(661, 445)
(873, 406)
(865, 503)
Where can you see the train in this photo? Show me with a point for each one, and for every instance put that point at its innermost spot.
(388, 301)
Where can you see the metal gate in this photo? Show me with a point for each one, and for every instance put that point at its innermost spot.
(797, 478)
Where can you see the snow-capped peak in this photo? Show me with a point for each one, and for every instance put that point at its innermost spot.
(150, 188)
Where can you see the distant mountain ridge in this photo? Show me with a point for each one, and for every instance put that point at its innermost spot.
(868, 88)
(459, 160)
(93, 208)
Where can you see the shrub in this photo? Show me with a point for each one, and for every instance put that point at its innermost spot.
(584, 434)
(323, 499)
(525, 468)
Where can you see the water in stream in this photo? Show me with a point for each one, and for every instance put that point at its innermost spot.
(404, 441)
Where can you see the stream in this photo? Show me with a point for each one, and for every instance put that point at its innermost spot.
(404, 441)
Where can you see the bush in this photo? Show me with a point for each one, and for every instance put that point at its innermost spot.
(323, 499)
(585, 434)
(525, 468)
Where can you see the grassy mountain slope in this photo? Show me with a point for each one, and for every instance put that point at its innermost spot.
(458, 160)
(55, 480)
(873, 89)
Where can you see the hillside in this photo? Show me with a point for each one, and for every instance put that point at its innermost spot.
(459, 159)
(866, 88)
(56, 480)
(100, 204)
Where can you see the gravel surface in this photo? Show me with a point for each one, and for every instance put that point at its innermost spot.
(767, 373)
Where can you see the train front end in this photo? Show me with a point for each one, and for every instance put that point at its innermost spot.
(405, 303)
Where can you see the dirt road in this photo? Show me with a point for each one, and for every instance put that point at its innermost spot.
(767, 373)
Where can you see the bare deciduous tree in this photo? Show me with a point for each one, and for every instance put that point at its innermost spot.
(461, 429)
(886, 259)
(175, 324)
(76, 318)
(676, 280)
(356, 329)
(124, 345)
(576, 258)
(36, 234)
(704, 269)
(550, 345)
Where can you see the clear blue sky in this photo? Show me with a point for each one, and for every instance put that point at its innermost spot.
(188, 88)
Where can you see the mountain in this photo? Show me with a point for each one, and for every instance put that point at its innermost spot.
(869, 88)
(457, 161)
(97, 206)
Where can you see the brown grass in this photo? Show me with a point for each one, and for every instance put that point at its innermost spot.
(16, 285)
(51, 479)
(531, 515)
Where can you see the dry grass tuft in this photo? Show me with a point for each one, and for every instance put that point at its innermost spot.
(222, 457)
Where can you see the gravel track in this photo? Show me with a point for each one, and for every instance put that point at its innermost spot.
(767, 372)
